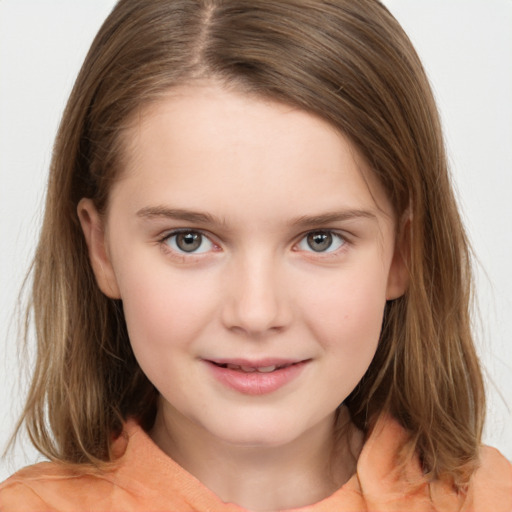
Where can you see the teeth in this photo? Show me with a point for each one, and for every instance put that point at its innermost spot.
(267, 369)
(251, 369)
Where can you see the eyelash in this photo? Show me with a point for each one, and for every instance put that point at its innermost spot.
(342, 242)
(164, 241)
(335, 238)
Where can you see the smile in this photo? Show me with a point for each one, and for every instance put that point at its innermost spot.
(250, 369)
(256, 378)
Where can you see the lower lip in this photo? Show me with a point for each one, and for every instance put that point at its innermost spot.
(256, 383)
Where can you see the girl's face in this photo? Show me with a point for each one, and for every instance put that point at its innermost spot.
(254, 254)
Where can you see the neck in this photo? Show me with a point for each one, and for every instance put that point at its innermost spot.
(266, 478)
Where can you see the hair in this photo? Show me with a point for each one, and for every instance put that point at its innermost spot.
(348, 62)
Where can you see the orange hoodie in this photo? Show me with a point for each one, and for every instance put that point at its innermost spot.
(143, 478)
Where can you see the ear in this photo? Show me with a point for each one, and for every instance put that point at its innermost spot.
(398, 277)
(94, 233)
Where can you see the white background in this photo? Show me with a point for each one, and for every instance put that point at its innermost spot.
(466, 47)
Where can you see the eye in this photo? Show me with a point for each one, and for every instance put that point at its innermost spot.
(189, 242)
(321, 241)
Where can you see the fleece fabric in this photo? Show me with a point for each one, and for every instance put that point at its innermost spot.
(143, 478)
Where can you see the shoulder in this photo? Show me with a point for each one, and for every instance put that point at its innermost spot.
(491, 484)
(489, 489)
(50, 485)
(14, 494)
(383, 480)
(56, 486)
(140, 478)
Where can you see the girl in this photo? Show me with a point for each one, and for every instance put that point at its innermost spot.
(251, 288)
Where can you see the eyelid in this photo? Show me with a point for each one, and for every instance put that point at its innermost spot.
(345, 239)
(162, 240)
(342, 235)
(176, 231)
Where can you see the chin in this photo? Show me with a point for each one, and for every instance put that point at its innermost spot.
(259, 430)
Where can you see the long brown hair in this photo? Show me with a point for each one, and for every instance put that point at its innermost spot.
(347, 61)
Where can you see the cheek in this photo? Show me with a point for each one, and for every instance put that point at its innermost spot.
(164, 308)
(346, 313)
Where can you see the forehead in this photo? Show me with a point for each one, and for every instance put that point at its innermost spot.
(204, 141)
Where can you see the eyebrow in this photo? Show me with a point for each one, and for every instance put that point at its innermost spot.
(150, 212)
(326, 218)
(206, 218)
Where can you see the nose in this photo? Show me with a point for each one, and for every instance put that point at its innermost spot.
(257, 301)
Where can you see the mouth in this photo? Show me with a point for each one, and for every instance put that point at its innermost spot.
(251, 368)
(256, 377)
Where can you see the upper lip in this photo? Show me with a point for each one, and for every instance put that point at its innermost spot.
(256, 363)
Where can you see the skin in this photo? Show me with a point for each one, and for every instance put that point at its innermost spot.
(265, 175)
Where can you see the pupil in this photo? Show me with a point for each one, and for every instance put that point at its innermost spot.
(319, 241)
(188, 242)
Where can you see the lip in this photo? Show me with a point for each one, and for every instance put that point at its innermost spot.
(256, 383)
